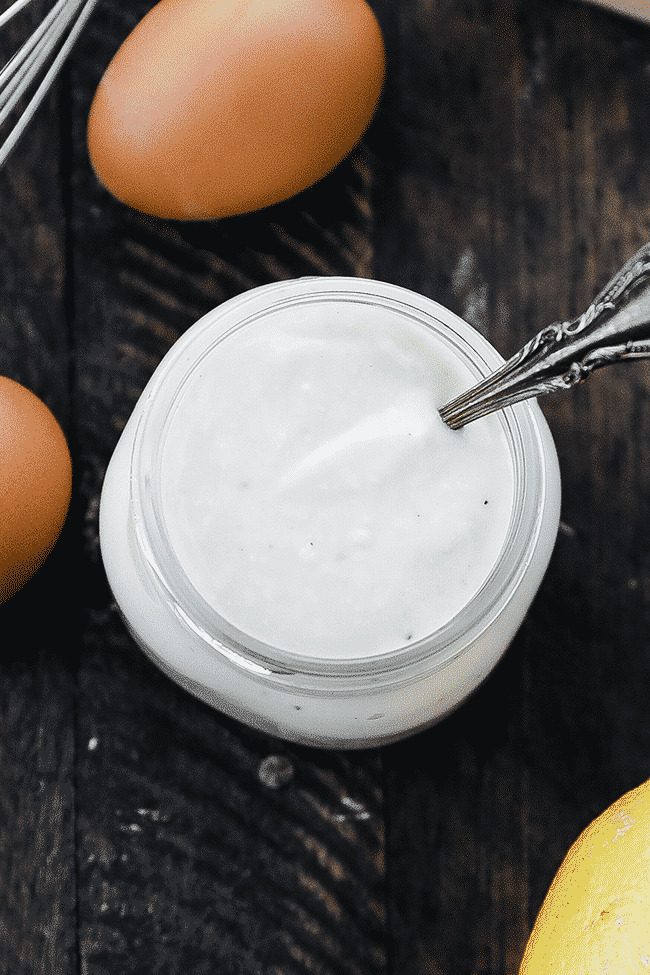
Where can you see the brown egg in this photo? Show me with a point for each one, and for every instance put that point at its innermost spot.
(216, 107)
(35, 484)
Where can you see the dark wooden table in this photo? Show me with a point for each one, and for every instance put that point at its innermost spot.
(507, 175)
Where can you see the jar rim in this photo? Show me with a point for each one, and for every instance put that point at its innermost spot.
(520, 426)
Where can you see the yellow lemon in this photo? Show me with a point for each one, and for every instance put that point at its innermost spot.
(595, 919)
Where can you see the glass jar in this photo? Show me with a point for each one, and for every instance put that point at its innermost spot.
(340, 703)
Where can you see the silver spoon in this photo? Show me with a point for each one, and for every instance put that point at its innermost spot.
(616, 326)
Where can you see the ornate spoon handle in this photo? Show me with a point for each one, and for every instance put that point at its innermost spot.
(616, 326)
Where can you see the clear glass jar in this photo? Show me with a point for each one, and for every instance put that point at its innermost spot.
(349, 703)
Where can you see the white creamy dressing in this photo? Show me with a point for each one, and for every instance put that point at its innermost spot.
(313, 495)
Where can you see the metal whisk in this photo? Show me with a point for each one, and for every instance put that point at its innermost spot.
(29, 73)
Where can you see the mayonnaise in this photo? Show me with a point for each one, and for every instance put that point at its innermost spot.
(313, 495)
(293, 535)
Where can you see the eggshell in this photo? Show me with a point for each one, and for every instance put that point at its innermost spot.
(35, 484)
(217, 107)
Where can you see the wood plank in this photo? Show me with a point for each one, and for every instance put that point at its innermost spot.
(188, 858)
(515, 141)
(37, 906)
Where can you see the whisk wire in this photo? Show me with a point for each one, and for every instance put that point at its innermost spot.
(50, 43)
(28, 57)
(12, 10)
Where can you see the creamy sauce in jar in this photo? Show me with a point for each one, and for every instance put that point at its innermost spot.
(313, 496)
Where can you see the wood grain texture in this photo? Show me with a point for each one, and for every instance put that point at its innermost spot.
(37, 659)
(515, 183)
(188, 858)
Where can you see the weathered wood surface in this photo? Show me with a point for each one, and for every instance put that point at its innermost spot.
(40, 626)
(506, 176)
(517, 182)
